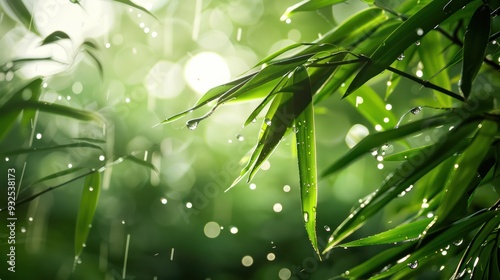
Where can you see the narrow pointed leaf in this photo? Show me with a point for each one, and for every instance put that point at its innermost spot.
(308, 5)
(402, 65)
(86, 211)
(475, 43)
(51, 148)
(404, 36)
(142, 163)
(306, 152)
(54, 37)
(402, 233)
(22, 13)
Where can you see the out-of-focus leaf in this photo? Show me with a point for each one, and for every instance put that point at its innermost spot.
(54, 37)
(22, 13)
(378, 139)
(91, 140)
(53, 109)
(58, 147)
(402, 233)
(475, 42)
(15, 64)
(464, 171)
(306, 151)
(86, 211)
(142, 162)
(406, 174)
(405, 35)
(57, 175)
(308, 5)
(93, 56)
(429, 52)
(9, 114)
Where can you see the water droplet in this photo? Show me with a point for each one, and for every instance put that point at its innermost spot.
(401, 57)
(444, 252)
(306, 217)
(123, 222)
(247, 261)
(91, 189)
(127, 100)
(102, 157)
(30, 219)
(233, 230)
(163, 200)
(23, 229)
(286, 188)
(268, 122)
(38, 136)
(253, 186)
(378, 127)
(295, 129)
(277, 207)
(380, 158)
(288, 21)
(189, 205)
(388, 107)
(70, 165)
(456, 166)
(458, 242)
(380, 166)
(192, 124)
(6, 159)
(417, 43)
(107, 45)
(240, 137)
(419, 73)
(271, 257)
(327, 228)
(420, 31)
(413, 265)
(284, 274)
(416, 110)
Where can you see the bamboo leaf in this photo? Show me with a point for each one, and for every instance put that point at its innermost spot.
(142, 163)
(22, 13)
(58, 147)
(475, 42)
(309, 5)
(54, 37)
(306, 151)
(86, 211)
(402, 233)
(404, 36)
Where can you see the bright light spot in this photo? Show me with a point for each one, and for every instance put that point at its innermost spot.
(123, 222)
(389, 83)
(233, 230)
(378, 127)
(419, 73)
(456, 165)
(30, 219)
(68, 97)
(380, 166)
(247, 261)
(164, 80)
(277, 207)
(420, 31)
(355, 134)
(38, 136)
(286, 188)
(266, 165)
(284, 274)
(388, 107)
(127, 100)
(271, 257)
(380, 158)
(108, 45)
(146, 30)
(253, 186)
(77, 88)
(386, 120)
(164, 201)
(430, 215)
(212, 229)
(91, 189)
(102, 157)
(154, 34)
(205, 71)
(359, 100)
(70, 165)
(288, 21)
(189, 205)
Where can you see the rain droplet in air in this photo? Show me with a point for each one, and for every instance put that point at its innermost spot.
(413, 265)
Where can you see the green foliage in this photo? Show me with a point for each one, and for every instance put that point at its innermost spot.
(446, 172)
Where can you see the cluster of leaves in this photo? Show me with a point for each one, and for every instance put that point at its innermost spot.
(21, 101)
(441, 36)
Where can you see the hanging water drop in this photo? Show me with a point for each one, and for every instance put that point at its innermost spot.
(327, 228)
(192, 124)
(413, 265)
(416, 110)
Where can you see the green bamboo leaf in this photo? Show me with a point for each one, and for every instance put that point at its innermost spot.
(142, 163)
(308, 5)
(57, 147)
(86, 211)
(408, 256)
(91, 140)
(378, 139)
(53, 109)
(405, 175)
(306, 151)
(97, 62)
(22, 13)
(54, 37)
(404, 36)
(475, 42)
(56, 175)
(403, 233)
(465, 170)
(430, 46)
(274, 55)
(401, 65)
(16, 64)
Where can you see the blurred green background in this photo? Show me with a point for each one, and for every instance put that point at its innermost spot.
(178, 223)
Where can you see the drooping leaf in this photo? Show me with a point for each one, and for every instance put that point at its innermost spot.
(54, 37)
(306, 151)
(86, 211)
(142, 163)
(404, 36)
(475, 43)
(51, 148)
(403, 233)
(308, 5)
